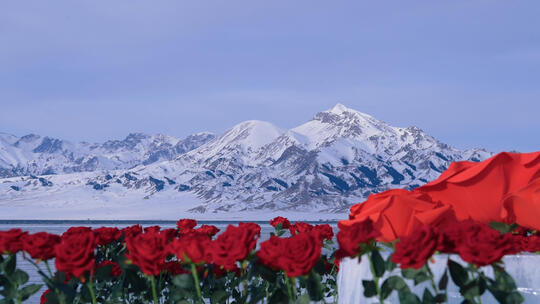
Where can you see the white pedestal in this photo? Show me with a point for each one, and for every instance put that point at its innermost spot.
(525, 269)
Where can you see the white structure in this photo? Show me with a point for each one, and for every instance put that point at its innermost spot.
(525, 269)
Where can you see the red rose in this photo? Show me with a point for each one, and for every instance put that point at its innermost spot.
(528, 243)
(414, 250)
(115, 270)
(450, 235)
(255, 231)
(191, 248)
(132, 231)
(300, 227)
(75, 230)
(169, 234)
(174, 268)
(40, 245)
(155, 228)
(285, 224)
(186, 224)
(11, 240)
(481, 245)
(43, 299)
(295, 255)
(75, 253)
(270, 251)
(147, 250)
(106, 235)
(325, 231)
(350, 236)
(234, 244)
(210, 230)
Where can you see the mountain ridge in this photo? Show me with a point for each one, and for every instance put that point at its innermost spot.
(325, 165)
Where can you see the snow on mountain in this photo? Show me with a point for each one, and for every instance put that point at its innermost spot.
(336, 159)
(37, 155)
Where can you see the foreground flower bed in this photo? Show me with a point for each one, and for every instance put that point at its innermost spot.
(192, 264)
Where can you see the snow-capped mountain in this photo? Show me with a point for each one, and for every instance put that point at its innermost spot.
(37, 155)
(325, 165)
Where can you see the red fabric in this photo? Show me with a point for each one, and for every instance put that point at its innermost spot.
(503, 188)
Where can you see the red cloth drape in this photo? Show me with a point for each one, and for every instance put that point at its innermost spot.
(503, 188)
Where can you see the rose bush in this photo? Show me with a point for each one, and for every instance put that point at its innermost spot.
(188, 264)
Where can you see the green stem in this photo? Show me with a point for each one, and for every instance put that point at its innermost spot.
(294, 291)
(196, 279)
(288, 283)
(267, 292)
(49, 280)
(431, 279)
(48, 268)
(333, 274)
(91, 289)
(154, 292)
(375, 278)
(479, 296)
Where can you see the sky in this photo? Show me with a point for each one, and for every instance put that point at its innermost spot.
(466, 72)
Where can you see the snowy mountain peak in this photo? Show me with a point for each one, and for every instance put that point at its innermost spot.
(338, 109)
(37, 155)
(251, 134)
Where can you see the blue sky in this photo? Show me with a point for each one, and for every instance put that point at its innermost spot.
(467, 72)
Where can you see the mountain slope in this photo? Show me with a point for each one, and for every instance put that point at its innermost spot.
(325, 165)
(36, 155)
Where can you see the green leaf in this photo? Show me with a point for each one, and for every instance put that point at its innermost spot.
(391, 284)
(503, 288)
(278, 297)
(320, 267)
(219, 296)
(407, 297)
(473, 289)
(441, 298)
(378, 263)
(390, 265)
(60, 277)
(443, 282)
(266, 273)
(420, 277)
(458, 273)
(370, 288)
(514, 298)
(85, 294)
(502, 227)
(184, 281)
(313, 286)
(304, 299)
(9, 264)
(504, 281)
(20, 277)
(428, 298)
(29, 290)
(9, 291)
(103, 273)
(409, 273)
